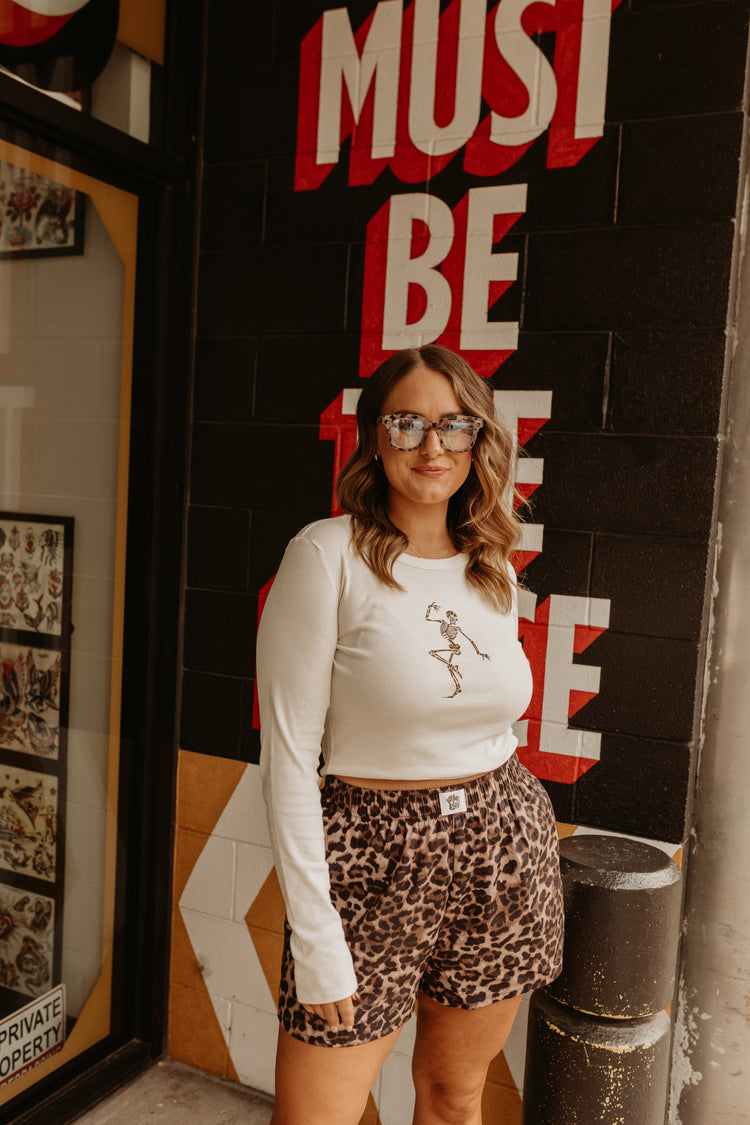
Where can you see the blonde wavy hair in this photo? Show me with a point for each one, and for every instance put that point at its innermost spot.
(481, 520)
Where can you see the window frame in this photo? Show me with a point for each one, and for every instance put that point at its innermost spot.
(164, 181)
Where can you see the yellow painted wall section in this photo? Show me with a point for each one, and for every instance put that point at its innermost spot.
(142, 27)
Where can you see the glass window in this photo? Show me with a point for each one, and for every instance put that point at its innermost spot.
(98, 57)
(67, 282)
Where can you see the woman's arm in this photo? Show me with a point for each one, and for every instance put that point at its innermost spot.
(296, 644)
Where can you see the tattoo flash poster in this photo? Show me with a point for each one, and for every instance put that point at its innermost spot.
(31, 575)
(30, 700)
(27, 930)
(28, 823)
(36, 557)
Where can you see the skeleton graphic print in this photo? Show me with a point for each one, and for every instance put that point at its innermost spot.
(449, 631)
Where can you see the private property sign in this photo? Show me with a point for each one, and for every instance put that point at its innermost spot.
(32, 1034)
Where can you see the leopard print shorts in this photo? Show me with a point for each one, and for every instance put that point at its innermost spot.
(464, 906)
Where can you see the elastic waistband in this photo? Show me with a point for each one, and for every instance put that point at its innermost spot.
(417, 804)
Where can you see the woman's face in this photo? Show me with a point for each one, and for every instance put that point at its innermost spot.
(430, 474)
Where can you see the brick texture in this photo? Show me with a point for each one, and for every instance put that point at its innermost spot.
(622, 298)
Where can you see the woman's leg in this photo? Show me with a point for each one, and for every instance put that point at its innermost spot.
(325, 1085)
(452, 1053)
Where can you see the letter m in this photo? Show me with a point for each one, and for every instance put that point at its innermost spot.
(332, 59)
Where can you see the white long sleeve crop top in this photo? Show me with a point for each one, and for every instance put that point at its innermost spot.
(419, 684)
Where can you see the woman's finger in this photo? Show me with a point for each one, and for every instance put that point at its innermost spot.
(335, 1014)
(346, 1012)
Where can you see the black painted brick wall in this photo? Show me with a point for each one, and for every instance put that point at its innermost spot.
(625, 267)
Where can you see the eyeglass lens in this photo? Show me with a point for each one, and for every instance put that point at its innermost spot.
(456, 434)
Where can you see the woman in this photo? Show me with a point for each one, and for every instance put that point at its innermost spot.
(389, 643)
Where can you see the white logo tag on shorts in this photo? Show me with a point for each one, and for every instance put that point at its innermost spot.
(453, 802)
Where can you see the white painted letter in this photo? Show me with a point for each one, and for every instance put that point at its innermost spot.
(561, 675)
(402, 270)
(426, 135)
(592, 68)
(341, 63)
(531, 66)
(534, 406)
(481, 267)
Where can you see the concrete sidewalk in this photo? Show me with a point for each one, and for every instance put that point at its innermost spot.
(176, 1094)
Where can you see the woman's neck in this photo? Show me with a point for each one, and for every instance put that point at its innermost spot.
(427, 531)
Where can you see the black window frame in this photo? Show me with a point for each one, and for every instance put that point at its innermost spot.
(165, 181)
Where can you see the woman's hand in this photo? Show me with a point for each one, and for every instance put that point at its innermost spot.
(336, 1014)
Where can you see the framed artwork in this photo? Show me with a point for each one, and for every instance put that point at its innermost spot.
(30, 700)
(28, 823)
(38, 217)
(36, 576)
(28, 930)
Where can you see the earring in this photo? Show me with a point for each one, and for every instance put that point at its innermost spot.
(376, 457)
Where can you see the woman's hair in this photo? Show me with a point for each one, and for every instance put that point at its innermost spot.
(481, 520)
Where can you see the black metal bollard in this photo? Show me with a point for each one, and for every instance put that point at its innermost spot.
(598, 1040)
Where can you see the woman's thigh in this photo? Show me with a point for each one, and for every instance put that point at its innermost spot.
(325, 1085)
(455, 1046)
